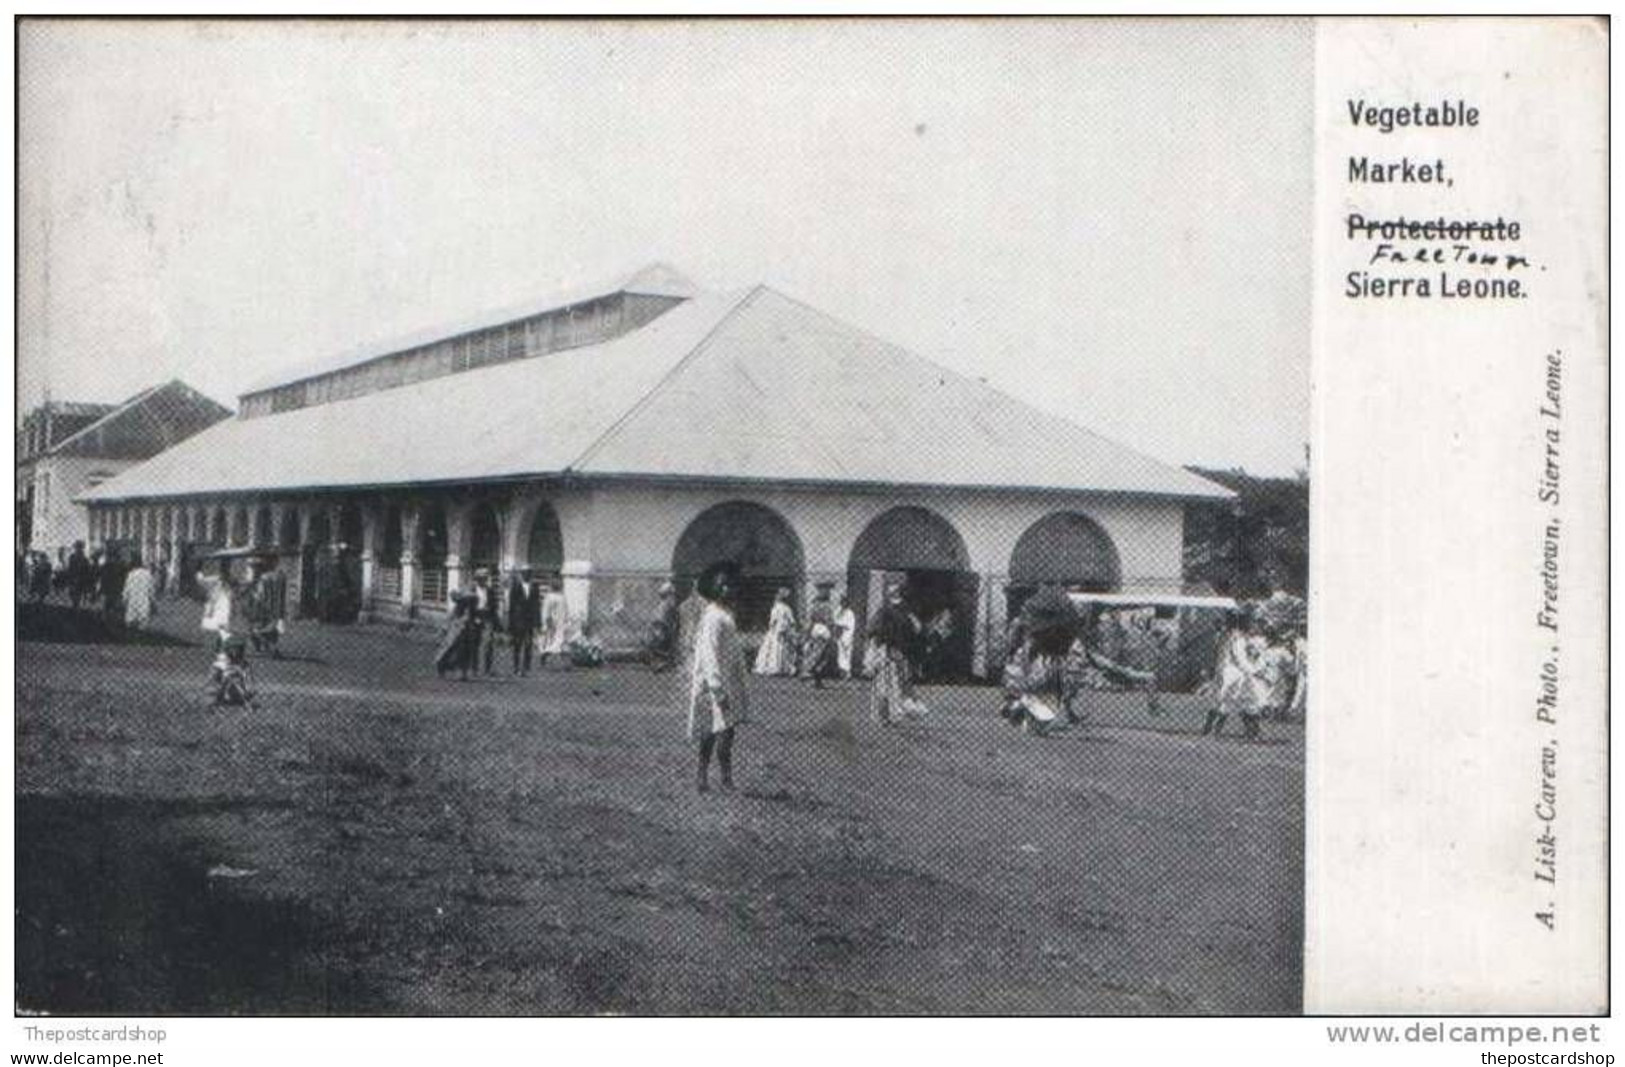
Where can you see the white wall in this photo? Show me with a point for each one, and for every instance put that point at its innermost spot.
(58, 521)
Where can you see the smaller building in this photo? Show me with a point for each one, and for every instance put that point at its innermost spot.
(64, 450)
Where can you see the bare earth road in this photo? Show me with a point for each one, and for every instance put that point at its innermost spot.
(372, 840)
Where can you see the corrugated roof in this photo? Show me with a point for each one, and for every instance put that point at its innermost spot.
(749, 386)
(151, 421)
(655, 279)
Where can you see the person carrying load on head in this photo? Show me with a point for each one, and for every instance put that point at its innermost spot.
(1042, 673)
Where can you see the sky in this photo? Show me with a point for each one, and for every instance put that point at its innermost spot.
(1107, 219)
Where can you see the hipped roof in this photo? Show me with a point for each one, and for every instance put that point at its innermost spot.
(749, 386)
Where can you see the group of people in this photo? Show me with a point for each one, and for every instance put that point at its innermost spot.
(532, 619)
(1262, 673)
(822, 651)
(712, 674)
(119, 583)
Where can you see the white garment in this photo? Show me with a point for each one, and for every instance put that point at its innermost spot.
(1238, 673)
(777, 654)
(846, 624)
(216, 603)
(717, 698)
(139, 591)
(555, 622)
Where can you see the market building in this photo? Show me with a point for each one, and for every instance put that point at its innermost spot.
(638, 431)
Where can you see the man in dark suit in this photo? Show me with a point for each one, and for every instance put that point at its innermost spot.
(524, 611)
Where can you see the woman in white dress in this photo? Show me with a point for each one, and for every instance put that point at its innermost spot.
(139, 592)
(552, 634)
(778, 652)
(1238, 673)
(717, 700)
(846, 633)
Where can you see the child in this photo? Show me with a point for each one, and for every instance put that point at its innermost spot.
(233, 684)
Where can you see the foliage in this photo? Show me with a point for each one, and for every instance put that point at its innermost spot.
(1253, 544)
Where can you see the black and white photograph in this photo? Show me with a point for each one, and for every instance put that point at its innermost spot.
(665, 517)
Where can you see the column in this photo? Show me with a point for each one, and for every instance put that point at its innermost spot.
(372, 519)
(987, 654)
(411, 517)
(459, 534)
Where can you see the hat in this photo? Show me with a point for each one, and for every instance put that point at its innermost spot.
(667, 589)
(482, 572)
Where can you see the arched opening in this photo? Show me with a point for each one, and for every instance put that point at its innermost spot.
(758, 540)
(264, 531)
(432, 555)
(217, 527)
(922, 547)
(544, 552)
(239, 526)
(1066, 550)
(485, 539)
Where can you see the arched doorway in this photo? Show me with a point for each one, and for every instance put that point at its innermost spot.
(544, 552)
(1066, 550)
(923, 547)
(756, 538)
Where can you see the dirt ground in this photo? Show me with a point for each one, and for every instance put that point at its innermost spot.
(372, 840)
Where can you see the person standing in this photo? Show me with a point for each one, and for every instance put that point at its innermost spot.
(40, 578)
(79, 575)
(1275, 663)
(524, 615)
(1238, 683)
(139, 593)
(112, 585)
(1299, 708)
(892, 636)
(451, 654)
(718, 701)
(939, 637)
(818, 654)
(222, 603)
(486, 622)
(846, 636)
(268, 596)
(664, 630)
(777, 652)
(555, 623)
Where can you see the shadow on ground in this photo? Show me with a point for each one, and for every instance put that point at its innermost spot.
(117, 914)
(61, 624)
